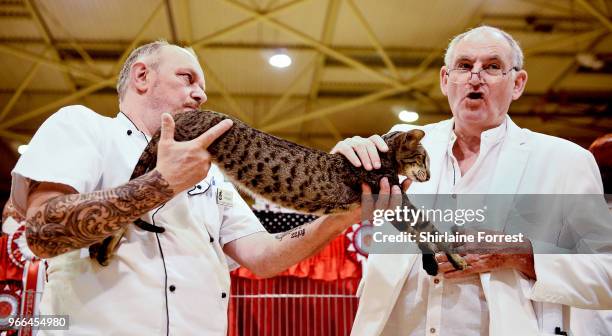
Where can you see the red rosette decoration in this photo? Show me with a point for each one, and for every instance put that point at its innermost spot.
(360, 238)
(9, 304)
(14, 253)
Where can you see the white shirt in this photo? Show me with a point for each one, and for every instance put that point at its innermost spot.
(89, 152)
(436, 306)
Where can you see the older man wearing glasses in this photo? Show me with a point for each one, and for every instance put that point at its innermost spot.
(482, 151)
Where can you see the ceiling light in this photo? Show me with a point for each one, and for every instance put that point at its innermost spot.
(280, 60)
(408, 116)
(22, 149)
(590, 61)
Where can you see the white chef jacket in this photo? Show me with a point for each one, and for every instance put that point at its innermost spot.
(185, 291)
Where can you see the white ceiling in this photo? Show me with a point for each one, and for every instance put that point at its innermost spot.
(562, 97)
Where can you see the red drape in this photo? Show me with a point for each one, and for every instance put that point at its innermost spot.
(314, 297)
(8, 270)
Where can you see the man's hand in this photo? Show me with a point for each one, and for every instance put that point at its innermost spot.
(484, 257)
(364, 151)
(388, 198)
(183, 164)
(361, 151)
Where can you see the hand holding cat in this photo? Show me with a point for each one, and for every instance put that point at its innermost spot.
(389, 197)
(184, 164)
(360, 150)
(364, 151)
(484, 257)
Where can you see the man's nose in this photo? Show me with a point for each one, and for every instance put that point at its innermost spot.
(475, 78)
(199, 96)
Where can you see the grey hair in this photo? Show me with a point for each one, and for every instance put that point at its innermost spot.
(516, 49)
(138, 53)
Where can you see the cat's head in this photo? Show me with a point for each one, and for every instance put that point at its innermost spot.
(410, 155)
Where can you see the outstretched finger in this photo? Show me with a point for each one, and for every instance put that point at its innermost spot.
(383, 195)
(373, 155)
(367, 205)
(362, 152)
(444, 267)
(396, 197)
(348, 153)
(406, 184)
(214, 132)
(379, 142)
(365, 189)
(167, 127)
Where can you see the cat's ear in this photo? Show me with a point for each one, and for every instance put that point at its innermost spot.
(409, 139)
(416, 135)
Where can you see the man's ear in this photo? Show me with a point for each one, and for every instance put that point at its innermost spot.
(139, 76)
(443, 79)
(519, 84)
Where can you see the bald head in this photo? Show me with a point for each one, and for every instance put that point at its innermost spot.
(486, 32)
(150, 53)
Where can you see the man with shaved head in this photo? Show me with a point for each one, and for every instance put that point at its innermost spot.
(480, 150)
(171, 274)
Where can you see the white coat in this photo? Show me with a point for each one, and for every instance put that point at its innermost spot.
(529, 163)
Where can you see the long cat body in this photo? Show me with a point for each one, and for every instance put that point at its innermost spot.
(297, 177)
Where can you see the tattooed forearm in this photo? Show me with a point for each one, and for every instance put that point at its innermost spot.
(296, 232)
(33, 185)
(70, 222)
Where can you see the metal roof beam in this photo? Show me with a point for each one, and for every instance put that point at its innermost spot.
(329, 110)
(214, 79)
(49, 62)
(562, 42)
(244, 23)
(71, 43)
(329, 26)
(602, 18)
(171, 23)
(22, 86)
(44, 30)
(184, 14)
(22, 138)
(316, 44)
(373, 39)
(58, 103)
(137, 39)
(288, 92)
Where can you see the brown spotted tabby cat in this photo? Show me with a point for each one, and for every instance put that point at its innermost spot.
(297, 177)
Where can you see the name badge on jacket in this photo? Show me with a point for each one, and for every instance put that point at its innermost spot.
(224, 197)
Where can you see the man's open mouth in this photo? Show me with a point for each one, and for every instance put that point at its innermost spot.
(475, 95)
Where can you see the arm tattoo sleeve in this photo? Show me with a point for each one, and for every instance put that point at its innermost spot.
(71, 222)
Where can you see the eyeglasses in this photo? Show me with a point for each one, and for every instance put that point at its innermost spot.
(491, 74)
